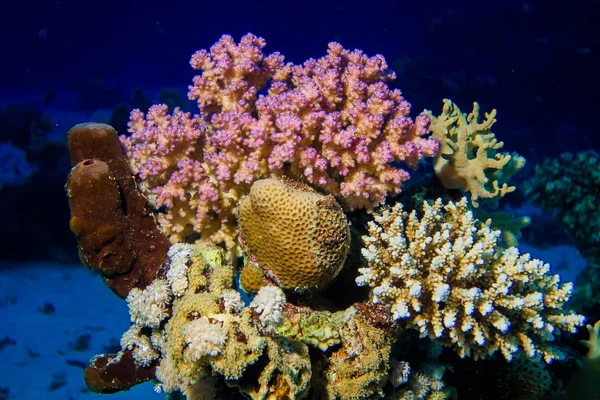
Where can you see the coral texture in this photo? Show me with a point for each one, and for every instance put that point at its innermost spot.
(299, 237)
(359, 368)
(320, 329)
(452, 283)
(524, 378)
(205, 331)
(252, 278)
(569, 185)
(332, 122)
(468, 158)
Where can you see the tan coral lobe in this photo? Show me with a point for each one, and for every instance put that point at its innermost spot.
(252, 278)
(299, 237)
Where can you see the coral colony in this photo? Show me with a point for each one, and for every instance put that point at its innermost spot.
(170, 212)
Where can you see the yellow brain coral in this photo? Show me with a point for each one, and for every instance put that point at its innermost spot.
(299, 237)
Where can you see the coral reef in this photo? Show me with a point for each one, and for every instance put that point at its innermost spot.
(468, 158)
(279, 175)
(332, 122)
(452, 283)
(299, 237)
(569, 186)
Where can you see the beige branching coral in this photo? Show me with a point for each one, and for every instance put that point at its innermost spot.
(468, 157)
(452, 283)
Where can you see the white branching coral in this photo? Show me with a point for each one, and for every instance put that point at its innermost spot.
(232, 300)
(399, 372)
(149, 307)
(180, 256)
(451, 282)
(140, 345)
(268, 304)
(204, 338)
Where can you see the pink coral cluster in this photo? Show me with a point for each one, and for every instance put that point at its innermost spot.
(332, 122)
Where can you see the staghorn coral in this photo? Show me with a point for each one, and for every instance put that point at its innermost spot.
(468, 157)
(332, 122)
(452, 283)
(299, 237)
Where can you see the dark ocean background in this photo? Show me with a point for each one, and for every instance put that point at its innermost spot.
(66, 62)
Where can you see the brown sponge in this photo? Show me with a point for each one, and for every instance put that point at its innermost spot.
(117, 234)
(299, 237)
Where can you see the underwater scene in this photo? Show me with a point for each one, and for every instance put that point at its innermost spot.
(274, 200)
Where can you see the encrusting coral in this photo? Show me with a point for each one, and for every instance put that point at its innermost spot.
(300, 238)
(452, 283)
(360, 367)
(209, 331)
(332, 122)
(468, 158)
(320, 329)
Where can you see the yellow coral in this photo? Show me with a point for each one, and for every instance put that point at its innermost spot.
(286, 375)
(360, 368)
(593, 344)
(586, 382)
(316, 328)
(252, 278)
(298, 236)
(241, 344)
(453, 283)
(468, 157)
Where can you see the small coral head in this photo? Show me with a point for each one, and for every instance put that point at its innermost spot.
(298, 236)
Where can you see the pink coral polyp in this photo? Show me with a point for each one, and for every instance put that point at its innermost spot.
(332, 122)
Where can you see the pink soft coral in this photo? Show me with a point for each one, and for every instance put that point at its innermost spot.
(331, 122)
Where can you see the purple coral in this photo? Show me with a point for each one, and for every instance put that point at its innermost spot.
(332, 122)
